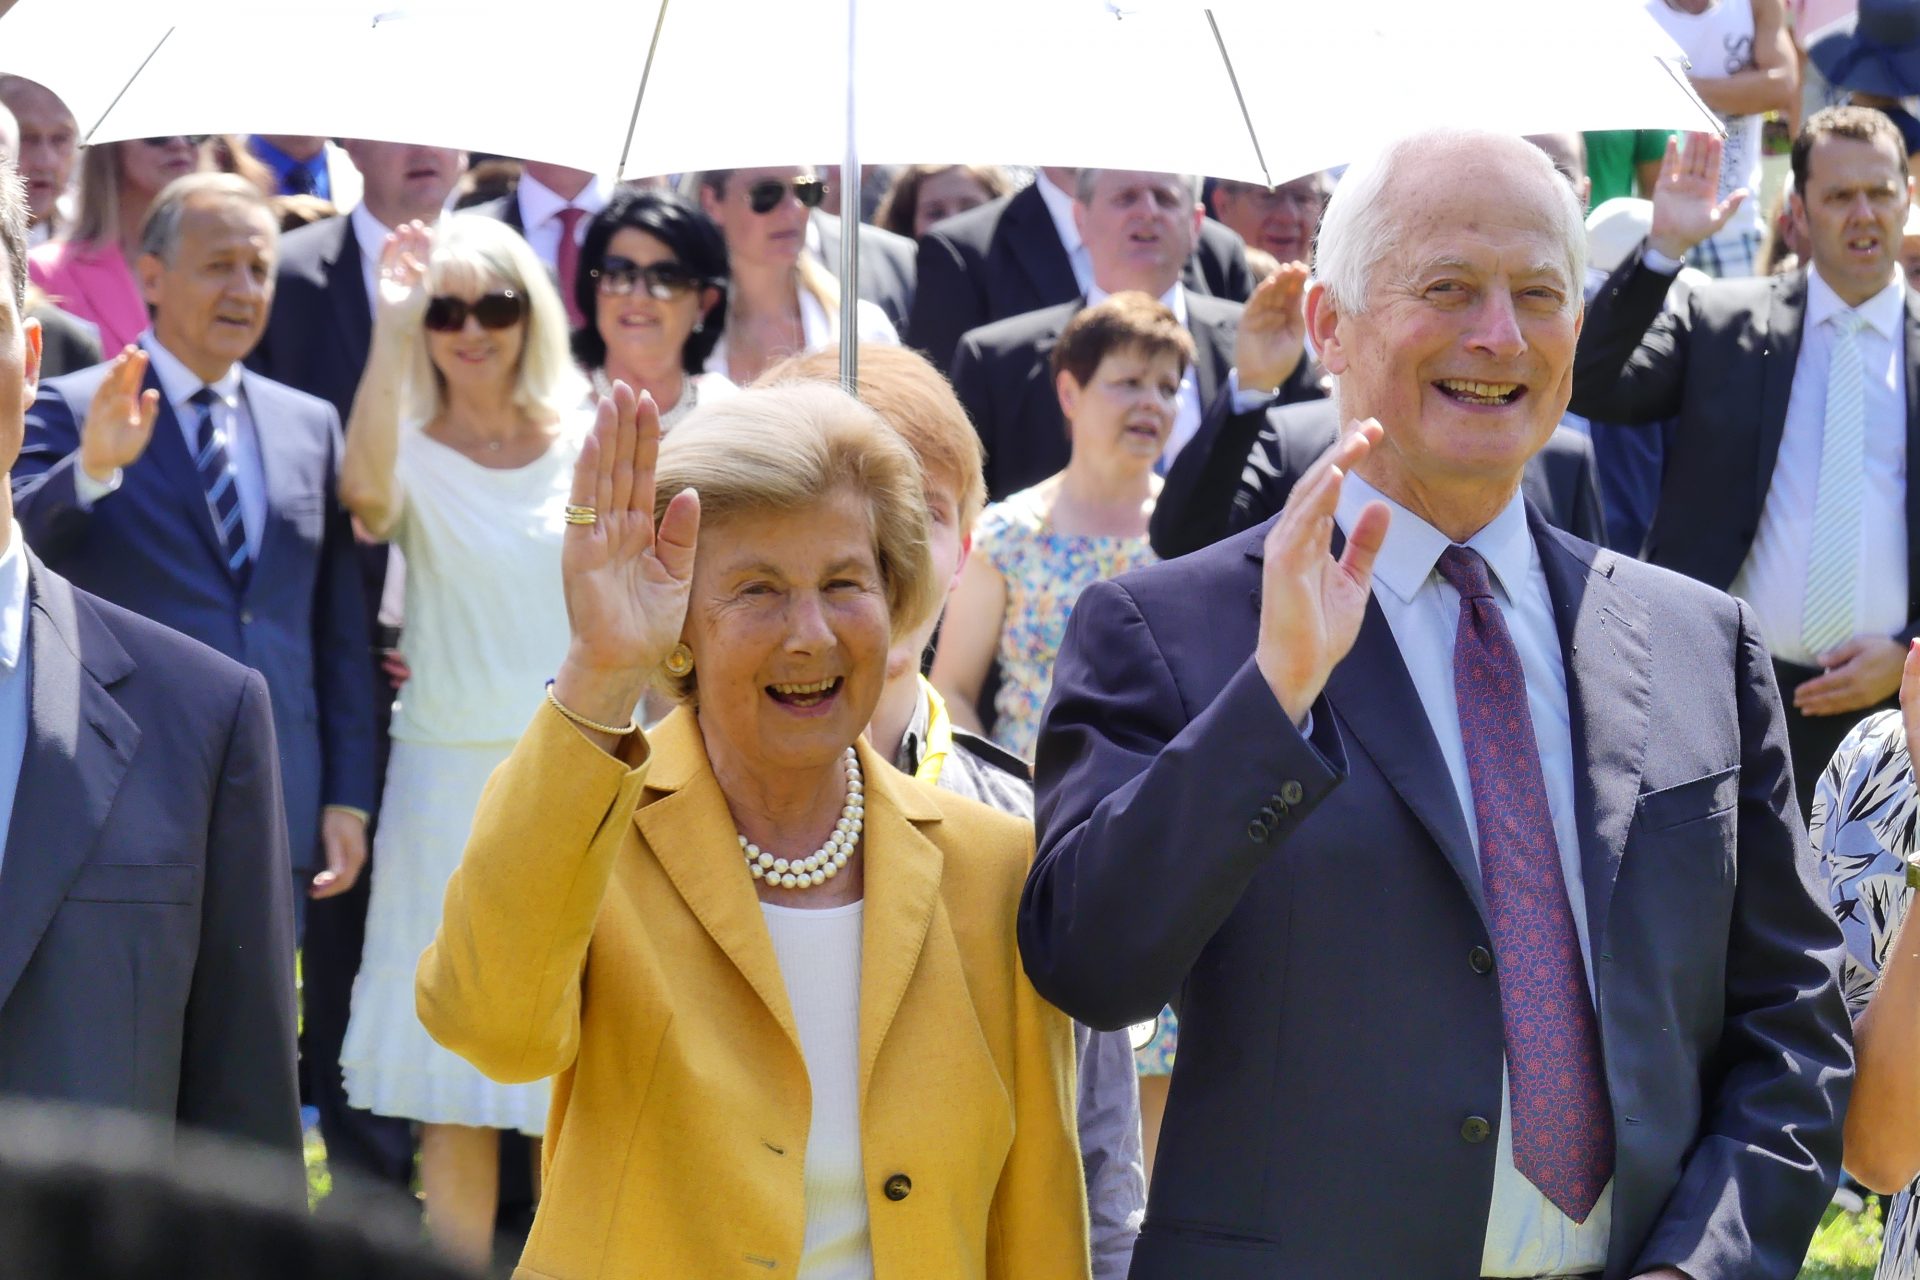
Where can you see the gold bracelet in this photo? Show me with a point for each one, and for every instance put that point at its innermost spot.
(632, 725)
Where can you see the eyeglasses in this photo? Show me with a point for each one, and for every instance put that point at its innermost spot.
(619, 277)
(1270, 200)
(500, 310)
(765, 195)
(191, 139)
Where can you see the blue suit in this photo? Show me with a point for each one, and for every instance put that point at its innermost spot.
(151, 547)
(1313, 907)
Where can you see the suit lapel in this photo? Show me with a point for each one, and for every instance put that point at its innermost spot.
(1604, 645)
(261, 397)
(1785, 311)
(168, 449)
(347, 289)
(1035, 244)
(1213, 340)
(902, 889)
(79, 743)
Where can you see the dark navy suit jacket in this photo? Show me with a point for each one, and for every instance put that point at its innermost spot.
(146, 920)
(1313, 906)
(151, 547)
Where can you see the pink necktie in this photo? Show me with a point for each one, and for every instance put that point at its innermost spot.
(566, 262)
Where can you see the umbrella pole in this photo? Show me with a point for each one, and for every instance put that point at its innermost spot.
(850, 230)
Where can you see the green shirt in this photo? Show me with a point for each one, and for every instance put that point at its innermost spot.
(1612, 156)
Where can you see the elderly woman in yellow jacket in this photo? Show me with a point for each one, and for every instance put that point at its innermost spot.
(776, 979)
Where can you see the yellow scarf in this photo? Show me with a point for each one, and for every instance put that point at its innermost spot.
(939, 739)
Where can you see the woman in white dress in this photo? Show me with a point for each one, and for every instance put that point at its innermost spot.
(460, 450)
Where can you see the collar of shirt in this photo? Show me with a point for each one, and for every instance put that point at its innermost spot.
(914, 740)
(540, 203)
(284, 165)
(1412, 547)
(371, 235)
(179, 383)
(1174, 300)
(13, 601)
(1883, 312)
(1060, 206)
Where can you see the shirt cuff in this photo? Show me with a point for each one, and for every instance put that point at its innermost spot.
(361, 814)
(1659, 263)
(87, 490)
(1247, 401)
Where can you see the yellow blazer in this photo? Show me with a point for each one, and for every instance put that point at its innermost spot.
(602, 928)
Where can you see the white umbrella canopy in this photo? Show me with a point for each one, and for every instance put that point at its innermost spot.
(1260, 90)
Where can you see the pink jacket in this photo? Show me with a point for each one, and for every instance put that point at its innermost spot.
(92, 280)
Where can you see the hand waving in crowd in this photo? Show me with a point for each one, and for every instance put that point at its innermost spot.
(1686, 204)
(1272, 336)
(119, 419)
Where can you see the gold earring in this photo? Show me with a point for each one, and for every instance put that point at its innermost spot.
(679, 663)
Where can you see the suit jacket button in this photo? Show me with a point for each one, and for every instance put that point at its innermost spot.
(1269, 817)
(1291, 791)
(246, 617)
(1480, 960)
(898, 1187)
(1257, 831)
(1475, 1129)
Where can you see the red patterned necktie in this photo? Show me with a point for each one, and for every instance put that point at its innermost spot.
(1562, 1119)
(566, 261)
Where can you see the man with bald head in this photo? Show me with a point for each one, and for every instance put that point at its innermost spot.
(1466, 849)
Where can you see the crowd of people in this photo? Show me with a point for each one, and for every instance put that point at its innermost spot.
(1360, 727)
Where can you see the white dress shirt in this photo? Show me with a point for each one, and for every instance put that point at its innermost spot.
(16, 677)
(1774, 578)
(1526, 1234)
(371, 235)
(1060, 207)
(541, 207)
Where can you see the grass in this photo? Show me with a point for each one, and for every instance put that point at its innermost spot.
(1847, 1246)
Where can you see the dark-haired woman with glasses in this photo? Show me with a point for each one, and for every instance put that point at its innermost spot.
(780, 301)
(90, 274)
(653, 275)
(460, 450)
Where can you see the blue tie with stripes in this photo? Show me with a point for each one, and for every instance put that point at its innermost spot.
(221, 485)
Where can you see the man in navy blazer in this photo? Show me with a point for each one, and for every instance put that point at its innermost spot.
(1469, 858)
(146, 927)
(177, 484)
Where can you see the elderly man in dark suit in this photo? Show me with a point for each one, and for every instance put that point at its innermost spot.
(1796, 402)
(1139, 230)
(1469, 856)
(146, 926)
(1023, 252)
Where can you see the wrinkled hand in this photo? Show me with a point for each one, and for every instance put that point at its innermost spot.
(1859, 673)
(1311, 605)
(626, 583)
(120, 419)
(1686, 204)
(394, 664)
(343, 840)
(1273, 330)
(400, 291)
(1910, 700)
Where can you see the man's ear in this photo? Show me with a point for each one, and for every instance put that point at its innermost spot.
(1080, 217)
(1323, 328)
(30, 333)
(960, 565)
(149, 269)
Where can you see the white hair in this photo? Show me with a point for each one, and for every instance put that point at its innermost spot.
(9, 136)
(1360, 229)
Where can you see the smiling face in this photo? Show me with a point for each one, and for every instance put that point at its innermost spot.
(1852, 212)
(1465, 351)
(774, 238)
(474, 359)
(1125, 411)
(1282, 220)
(1139, 229)
(789, 630)
(637, 327)
(212, 294)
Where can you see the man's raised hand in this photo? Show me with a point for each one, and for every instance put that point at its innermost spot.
(120, 419)
(1686, 198)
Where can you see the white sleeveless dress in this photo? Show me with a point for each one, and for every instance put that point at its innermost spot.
(486, 627)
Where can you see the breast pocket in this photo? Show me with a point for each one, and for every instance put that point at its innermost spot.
(1705, 797)
(157, 883)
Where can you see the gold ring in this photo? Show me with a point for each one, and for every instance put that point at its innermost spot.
(581, 515)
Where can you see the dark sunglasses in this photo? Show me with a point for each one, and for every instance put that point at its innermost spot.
(191, 139)
(501, 310)
(765, 195)
(619, 277)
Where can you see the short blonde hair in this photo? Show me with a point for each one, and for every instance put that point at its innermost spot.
(915, 399)
(469, 246)
(789, 448)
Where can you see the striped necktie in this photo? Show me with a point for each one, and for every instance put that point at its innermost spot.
(220, 482)
(1833, 563)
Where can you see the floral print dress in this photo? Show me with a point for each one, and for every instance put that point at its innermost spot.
(1865, 809)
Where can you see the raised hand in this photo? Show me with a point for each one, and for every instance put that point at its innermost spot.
(1273, 330)
(400, 292)
(120, 419)
(626, 582)
(1311, 605)
(1686, 198)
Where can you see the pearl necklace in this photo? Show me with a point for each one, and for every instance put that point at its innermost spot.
(826, 862)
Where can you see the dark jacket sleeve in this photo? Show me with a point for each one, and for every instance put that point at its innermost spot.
(1589, 519)
(1631, 363)
(1768, 1153)
(947, 299)
(1195, 506)
(237, 1074)
(973, 384)
(44, 501)
(343, 675)
(1132, 792)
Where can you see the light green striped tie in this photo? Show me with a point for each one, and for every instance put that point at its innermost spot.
(1833, 564)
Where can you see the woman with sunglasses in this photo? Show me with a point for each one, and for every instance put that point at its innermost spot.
(460, 450)
(90, 273)
(653, 270)
(781, 301)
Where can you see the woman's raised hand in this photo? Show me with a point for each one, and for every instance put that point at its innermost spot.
(626, 582)
(400, 291)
